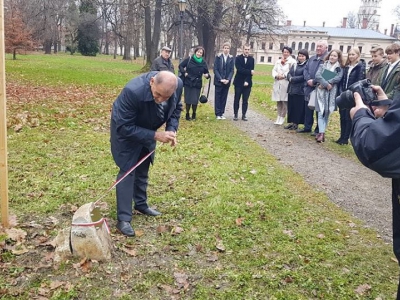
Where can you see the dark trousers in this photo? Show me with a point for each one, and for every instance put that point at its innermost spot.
(396, 222)
(309, 117)
(244, 92)
(345, 124)
(132, 188)
(221, 95)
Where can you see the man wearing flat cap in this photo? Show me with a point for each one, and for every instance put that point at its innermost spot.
(163, 62)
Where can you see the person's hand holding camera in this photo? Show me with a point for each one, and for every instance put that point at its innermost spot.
(379, 111)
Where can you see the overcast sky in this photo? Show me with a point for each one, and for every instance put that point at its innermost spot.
(310, 11)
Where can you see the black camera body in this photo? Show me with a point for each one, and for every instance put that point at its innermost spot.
(346, 99)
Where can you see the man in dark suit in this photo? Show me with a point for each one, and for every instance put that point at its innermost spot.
(163, 62)
(243, 81)
(223, 74)
(144, 105)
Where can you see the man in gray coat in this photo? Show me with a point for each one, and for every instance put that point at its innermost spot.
(309, 75)
(163, 62)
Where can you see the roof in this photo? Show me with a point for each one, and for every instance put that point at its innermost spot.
(341, 32)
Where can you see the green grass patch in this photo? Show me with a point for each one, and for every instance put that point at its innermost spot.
(250, 228)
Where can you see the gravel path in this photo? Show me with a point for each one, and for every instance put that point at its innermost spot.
(356, 189)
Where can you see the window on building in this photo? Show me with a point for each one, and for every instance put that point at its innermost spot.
(360, 48)
(251, 45)
(263, 46)
(329, 48)
(269, 59)
(271, 46)
(306, 45)
(281, 46)
(262, 59)
(348, 49)
(294, 45)
(341, 48)
(312, 46)
(300, 46)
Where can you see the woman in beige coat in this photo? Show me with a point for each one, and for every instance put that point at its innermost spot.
(279, 92)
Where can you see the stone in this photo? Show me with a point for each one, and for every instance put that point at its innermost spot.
(90, 237)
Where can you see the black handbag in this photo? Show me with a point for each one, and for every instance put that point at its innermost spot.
(203, 98)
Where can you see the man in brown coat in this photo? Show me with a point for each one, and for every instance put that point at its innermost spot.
(378, 63)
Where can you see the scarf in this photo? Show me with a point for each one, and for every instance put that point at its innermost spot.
(331, 67)
(196, 59)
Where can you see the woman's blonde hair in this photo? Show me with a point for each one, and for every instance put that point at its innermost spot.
(356, 51)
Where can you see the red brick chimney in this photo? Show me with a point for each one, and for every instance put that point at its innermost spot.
(364, 23)
(377, 27)
(385, 32)
(304, 24)
(392, 30)
(323, 24)
(288, 23)
(344, 23)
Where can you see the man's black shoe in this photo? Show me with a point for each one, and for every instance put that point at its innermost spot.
(235, 118)
(149, 212)
(244, 118)
(125, 228)
(303, 130)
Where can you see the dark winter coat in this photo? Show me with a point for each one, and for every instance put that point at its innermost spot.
(357, 73)
(134, 120)
(160, 64)
(195, 72)
(296, 79)
(375, 72)
(376, 141)
(391, 84)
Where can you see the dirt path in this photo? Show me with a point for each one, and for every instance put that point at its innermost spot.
(356, 189)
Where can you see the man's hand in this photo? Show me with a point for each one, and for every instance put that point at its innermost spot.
(310, 82)
(379, 111)
(359, 104)
(166, 137)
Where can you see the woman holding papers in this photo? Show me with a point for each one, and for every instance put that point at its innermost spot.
(353, 71)
(328, 77)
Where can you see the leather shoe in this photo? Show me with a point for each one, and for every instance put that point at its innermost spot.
(149, 212)
(303, 130)
(125, 228)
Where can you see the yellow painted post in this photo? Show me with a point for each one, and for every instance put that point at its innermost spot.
(3, 126)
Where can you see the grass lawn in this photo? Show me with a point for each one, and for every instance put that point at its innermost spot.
(235, 225)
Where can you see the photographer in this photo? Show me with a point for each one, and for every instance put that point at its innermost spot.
(375, 139)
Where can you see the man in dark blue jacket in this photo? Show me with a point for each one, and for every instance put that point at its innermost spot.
(375, 139)
(309, 75)
(144, 105)
(223, 74)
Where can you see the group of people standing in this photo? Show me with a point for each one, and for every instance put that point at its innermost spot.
(321, 78)
(194, 67)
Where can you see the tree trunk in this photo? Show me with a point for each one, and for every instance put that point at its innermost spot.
(147, 30)
(15, 54)
(47, 46)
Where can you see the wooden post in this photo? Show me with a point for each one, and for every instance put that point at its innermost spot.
(3, 126)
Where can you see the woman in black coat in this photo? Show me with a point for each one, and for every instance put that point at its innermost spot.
(354, 70)
(296, 106)
(193, 68)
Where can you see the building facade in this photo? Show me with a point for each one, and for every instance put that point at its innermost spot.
(267, 49)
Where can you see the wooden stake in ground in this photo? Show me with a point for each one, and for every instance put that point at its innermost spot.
(3, 126)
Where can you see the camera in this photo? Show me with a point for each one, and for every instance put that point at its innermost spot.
(346, 99)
